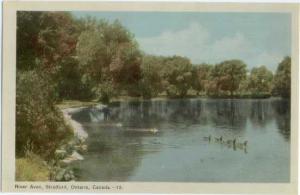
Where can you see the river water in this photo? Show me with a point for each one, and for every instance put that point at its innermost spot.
(121, 147)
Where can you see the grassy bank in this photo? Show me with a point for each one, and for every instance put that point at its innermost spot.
(32, 168)
(75, 103)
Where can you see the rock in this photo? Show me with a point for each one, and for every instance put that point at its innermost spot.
(81, 148)
(60, 175)
(119, 125)
(100, 106)
(76, 156)
(60, 153)
(77, 127)
(84, 148)
(66, 161)
(67, 177)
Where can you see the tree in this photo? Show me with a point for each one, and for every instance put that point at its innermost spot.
(125, 69)
(201, 74)
(108, 53)
(260, 80)
(70, 85)
(40, 127)
(151, 79)
(44, 39)
(177, 71)
(228, 75)
(28, 30)
(45, 45)
(282, 78)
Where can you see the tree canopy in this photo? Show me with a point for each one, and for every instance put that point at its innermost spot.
(282, 78)
(260, 80)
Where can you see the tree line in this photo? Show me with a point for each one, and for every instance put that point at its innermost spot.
(60, 57)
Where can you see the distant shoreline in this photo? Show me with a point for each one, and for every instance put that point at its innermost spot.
(77, 104)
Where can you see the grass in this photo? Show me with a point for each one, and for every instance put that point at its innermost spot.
(31, 168)
(75, 103)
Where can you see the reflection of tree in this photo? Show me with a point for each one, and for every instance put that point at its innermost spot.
(143, 114)
(282, 110)
(261, 112)
(229, 113)
(185, 111)
(114, 155)
(224, 113)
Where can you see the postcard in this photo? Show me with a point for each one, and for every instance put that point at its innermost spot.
(150, 97)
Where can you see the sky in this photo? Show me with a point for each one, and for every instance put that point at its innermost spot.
(207, 37)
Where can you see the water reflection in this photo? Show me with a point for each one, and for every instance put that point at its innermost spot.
(283, 114)
(116, 154)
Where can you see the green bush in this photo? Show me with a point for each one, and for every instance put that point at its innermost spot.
(105, 91)
(172, 91)
(70, 85)
(40, 127)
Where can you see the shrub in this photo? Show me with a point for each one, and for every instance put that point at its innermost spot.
(39, 125)
(171, 91)
(105, 91)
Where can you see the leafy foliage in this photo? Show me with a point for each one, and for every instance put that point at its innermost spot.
(201, 77)
(151, 82)
(229, 74)
(108, 52)
(260, 80)
(39, 126)
(282, 78)
(177, 71)
(104, 91)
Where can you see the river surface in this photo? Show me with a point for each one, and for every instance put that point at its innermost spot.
(187, 146)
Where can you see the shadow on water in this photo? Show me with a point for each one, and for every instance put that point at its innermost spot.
(119, 145)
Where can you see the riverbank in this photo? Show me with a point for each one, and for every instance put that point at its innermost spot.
(75, 104)
(71, 152)
(33, 167)
(77, 128)
(70, 107)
